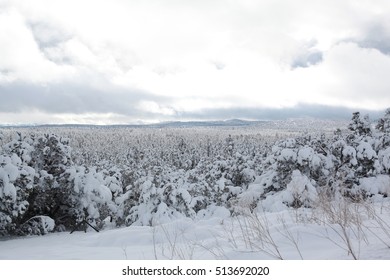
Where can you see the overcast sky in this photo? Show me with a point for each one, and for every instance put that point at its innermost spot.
(127, 61)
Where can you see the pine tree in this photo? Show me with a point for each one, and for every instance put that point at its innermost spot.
(360, 127)
(383, 124)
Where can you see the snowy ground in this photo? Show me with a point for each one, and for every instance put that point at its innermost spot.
(292, 234)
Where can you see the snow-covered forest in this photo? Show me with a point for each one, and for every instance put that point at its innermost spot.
(52, 178)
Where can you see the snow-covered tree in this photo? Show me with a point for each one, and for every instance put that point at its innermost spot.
(383, 124)
(16, 183)
(359, 126)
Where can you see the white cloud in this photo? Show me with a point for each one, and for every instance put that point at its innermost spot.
(349, 76)
(20, 56)
(155, 108)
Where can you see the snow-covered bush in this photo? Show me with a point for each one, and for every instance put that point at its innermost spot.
(367, 160)
(375, 186)
(304, 161)
(16, 185)
(91, 194)
(384, 157)
(38, 225)
(36, 181)
(299, 192)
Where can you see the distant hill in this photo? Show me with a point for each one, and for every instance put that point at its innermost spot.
(309, 124)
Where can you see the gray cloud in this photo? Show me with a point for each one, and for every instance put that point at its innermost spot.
(49, 40)
(376, 35)
(219, 65)
(307, 59)
(47, 35)
(79, 99)
(308, 55)
(299, 111)
(73, 99)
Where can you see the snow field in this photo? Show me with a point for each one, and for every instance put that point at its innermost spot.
(290, 234)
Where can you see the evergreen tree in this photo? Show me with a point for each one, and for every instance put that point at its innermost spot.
(383, 124)
(360, 128)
